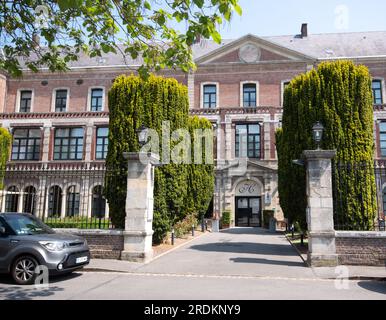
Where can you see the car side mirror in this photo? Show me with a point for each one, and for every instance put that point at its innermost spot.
(2, 231)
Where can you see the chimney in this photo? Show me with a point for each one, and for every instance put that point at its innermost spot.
(304, 32)
(35, 40)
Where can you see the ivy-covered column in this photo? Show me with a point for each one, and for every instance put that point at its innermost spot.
(139, 207)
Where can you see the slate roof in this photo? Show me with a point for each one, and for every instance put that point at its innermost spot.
(318, 46)
(336, 45)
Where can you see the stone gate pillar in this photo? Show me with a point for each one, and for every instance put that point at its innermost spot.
(138, 232)
(320, 217)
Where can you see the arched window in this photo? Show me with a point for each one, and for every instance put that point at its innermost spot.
(98, 202)
(73, 201)
(29, 200)
(54, 201)
(11, 199)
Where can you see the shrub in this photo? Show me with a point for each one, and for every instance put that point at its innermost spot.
(161, 226)
(179, 189)
(226, 218)
(77, 223)
(339, 95)
(5, 147)
(184, 226)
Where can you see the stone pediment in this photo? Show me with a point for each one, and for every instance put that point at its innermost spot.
(251, 49)
(239, 167)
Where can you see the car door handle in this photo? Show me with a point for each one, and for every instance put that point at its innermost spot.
(14, 241)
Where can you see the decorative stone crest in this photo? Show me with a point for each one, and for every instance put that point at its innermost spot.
(249, 53)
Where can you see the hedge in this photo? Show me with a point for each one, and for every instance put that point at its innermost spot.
(5, 148)
(339, 95)
(179, 189)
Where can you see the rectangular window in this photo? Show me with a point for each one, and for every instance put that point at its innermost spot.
(25, 101)
(210, 93)
(102, 142)
(377, 91)
(26, 144)
(249, 95)
(68, 144)
(96, 99)
(60, 100)
(247, 141)
(382, 138)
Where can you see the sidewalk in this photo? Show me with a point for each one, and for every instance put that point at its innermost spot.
(353, 272)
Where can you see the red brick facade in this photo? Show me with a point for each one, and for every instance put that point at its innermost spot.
(222, 66)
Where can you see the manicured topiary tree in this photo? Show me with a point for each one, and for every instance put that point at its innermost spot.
(200, 176)
(134, 102)
(339, 95)
(5, 147)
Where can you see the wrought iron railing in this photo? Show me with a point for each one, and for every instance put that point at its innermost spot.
(359, 195)
(62, 195)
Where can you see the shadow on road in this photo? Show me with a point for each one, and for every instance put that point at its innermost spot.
(247, 247)
(266, 261)
(16, 292)
(252, 231)
(375, 286)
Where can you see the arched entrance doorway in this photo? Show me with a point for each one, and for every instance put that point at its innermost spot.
(248, 204)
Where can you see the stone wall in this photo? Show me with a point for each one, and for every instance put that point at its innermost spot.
(361, 248)
(104, 244)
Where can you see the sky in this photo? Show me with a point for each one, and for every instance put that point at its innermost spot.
(284, 17)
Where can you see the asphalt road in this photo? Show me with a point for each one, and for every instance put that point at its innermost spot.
(238, 264)
(101, 285)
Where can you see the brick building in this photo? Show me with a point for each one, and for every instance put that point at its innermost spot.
(60, 120)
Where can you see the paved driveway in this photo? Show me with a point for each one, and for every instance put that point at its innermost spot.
(239, 251)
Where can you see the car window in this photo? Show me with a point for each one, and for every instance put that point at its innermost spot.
(27, 225)
(3, 224)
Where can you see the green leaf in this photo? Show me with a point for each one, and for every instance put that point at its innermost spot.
(147, 5)
(238, 9)
(216, 37)
(199, 3)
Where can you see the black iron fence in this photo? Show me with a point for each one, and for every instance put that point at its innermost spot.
(359, 192)
(62, 195)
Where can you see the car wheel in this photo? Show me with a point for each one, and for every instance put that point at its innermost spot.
(23, 270)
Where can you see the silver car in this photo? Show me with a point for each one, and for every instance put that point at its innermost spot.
(26, 243)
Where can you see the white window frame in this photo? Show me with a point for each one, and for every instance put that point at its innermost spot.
(282, 90)
(242, 93)
(202, 93)
(53, 101)
(89, 98)
(18, 96)
(383, 87)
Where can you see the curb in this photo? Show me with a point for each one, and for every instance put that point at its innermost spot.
(297, 251)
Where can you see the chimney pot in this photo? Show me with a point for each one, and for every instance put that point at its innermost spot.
(304, 31)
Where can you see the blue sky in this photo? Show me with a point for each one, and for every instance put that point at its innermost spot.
(283, 17)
